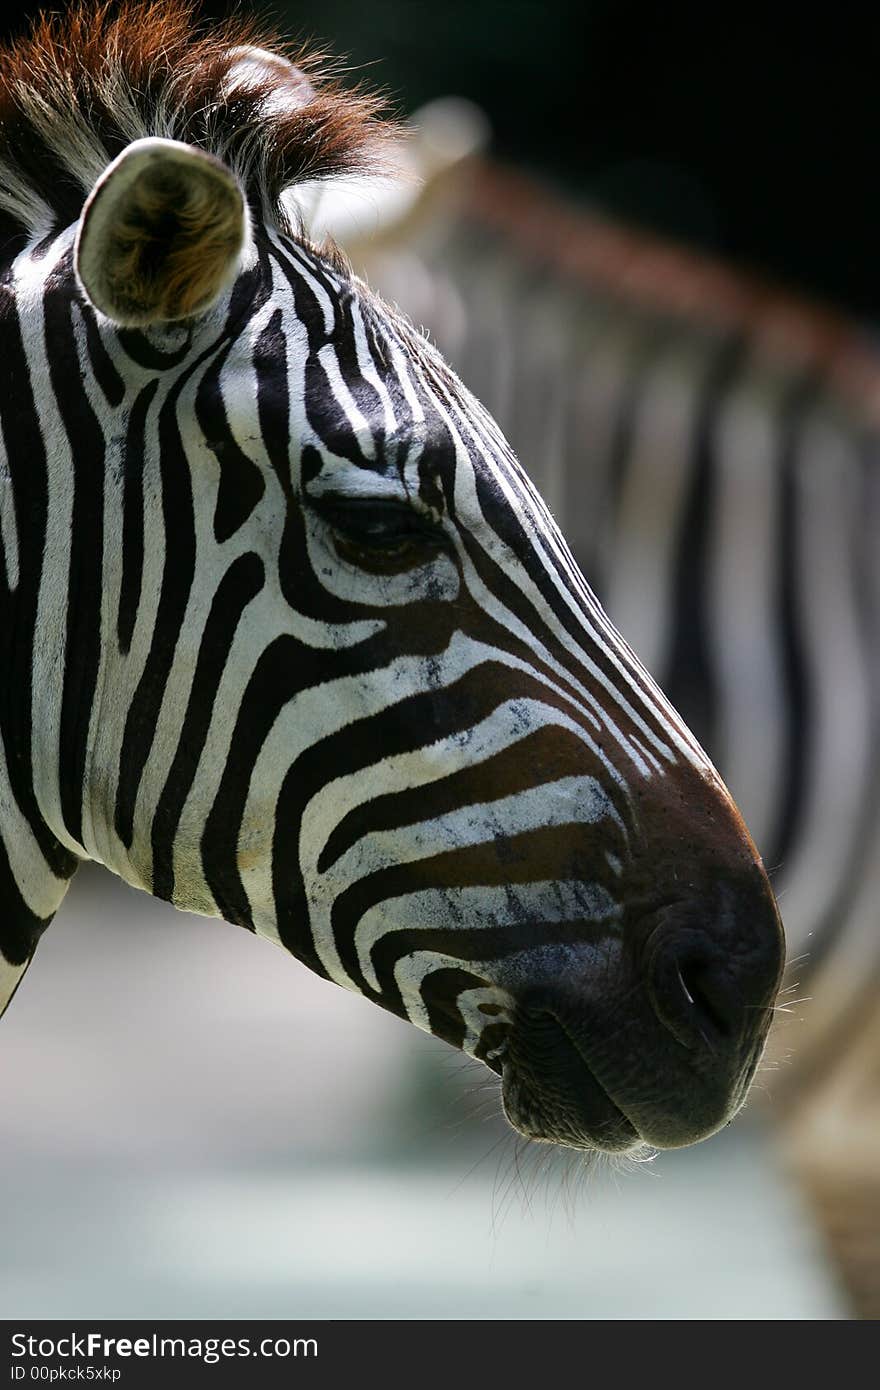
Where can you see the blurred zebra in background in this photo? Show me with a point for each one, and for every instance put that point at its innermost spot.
(709, 445)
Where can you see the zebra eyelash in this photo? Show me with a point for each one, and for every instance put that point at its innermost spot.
(380, 532)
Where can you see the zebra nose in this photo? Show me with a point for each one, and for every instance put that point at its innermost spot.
(711, 986)
(697, 997)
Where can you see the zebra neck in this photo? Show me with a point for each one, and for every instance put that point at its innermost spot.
(34, 867)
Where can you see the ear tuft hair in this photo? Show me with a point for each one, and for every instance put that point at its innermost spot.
(84, 83)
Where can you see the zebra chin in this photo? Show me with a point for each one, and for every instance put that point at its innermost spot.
(550, 1094)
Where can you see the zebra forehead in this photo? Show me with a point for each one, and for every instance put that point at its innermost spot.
(85, 83)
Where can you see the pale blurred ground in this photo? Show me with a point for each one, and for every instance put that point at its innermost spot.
(193, 1125)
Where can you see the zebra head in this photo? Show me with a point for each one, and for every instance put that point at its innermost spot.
(300, 645)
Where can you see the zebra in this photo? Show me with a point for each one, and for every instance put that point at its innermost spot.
(290, 637)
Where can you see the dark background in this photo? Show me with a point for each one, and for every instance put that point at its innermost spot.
(753, 132)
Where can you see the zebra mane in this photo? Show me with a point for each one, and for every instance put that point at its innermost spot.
(82, 85)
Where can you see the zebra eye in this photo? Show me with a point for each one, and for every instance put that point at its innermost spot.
(383, 536)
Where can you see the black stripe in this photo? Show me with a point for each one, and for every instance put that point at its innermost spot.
(538, 759)
(480, 943)
(285, 669)
(273, 401)
(324, 413)
(402, 727)
(237, 589)
(440, 991)
(555, 853)
(82, 653)
(651, 339)
(797, 677)
(241, 482)
(21, 929)
(177, 578)
(28, 466)
(690, 679)
(146, 352)
(107, 377)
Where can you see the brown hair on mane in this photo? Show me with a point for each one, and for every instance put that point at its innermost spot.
(81, 86)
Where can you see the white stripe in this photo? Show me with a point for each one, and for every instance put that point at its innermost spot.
(506, 727)
(410, 973)
(572, 801)
(480, 908)
(743, 600)
(368, 368)
(660, 465)
(290, 252)
(47, 676)
(7, 519)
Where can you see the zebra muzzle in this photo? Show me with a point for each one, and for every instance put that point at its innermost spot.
(551, 1093)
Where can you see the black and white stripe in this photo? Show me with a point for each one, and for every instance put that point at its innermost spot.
(294, 641)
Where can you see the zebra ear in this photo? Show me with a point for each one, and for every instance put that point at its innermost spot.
(285, 86)
(161, 234)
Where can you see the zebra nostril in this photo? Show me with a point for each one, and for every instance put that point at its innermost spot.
(712, 996)
(695, 997)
